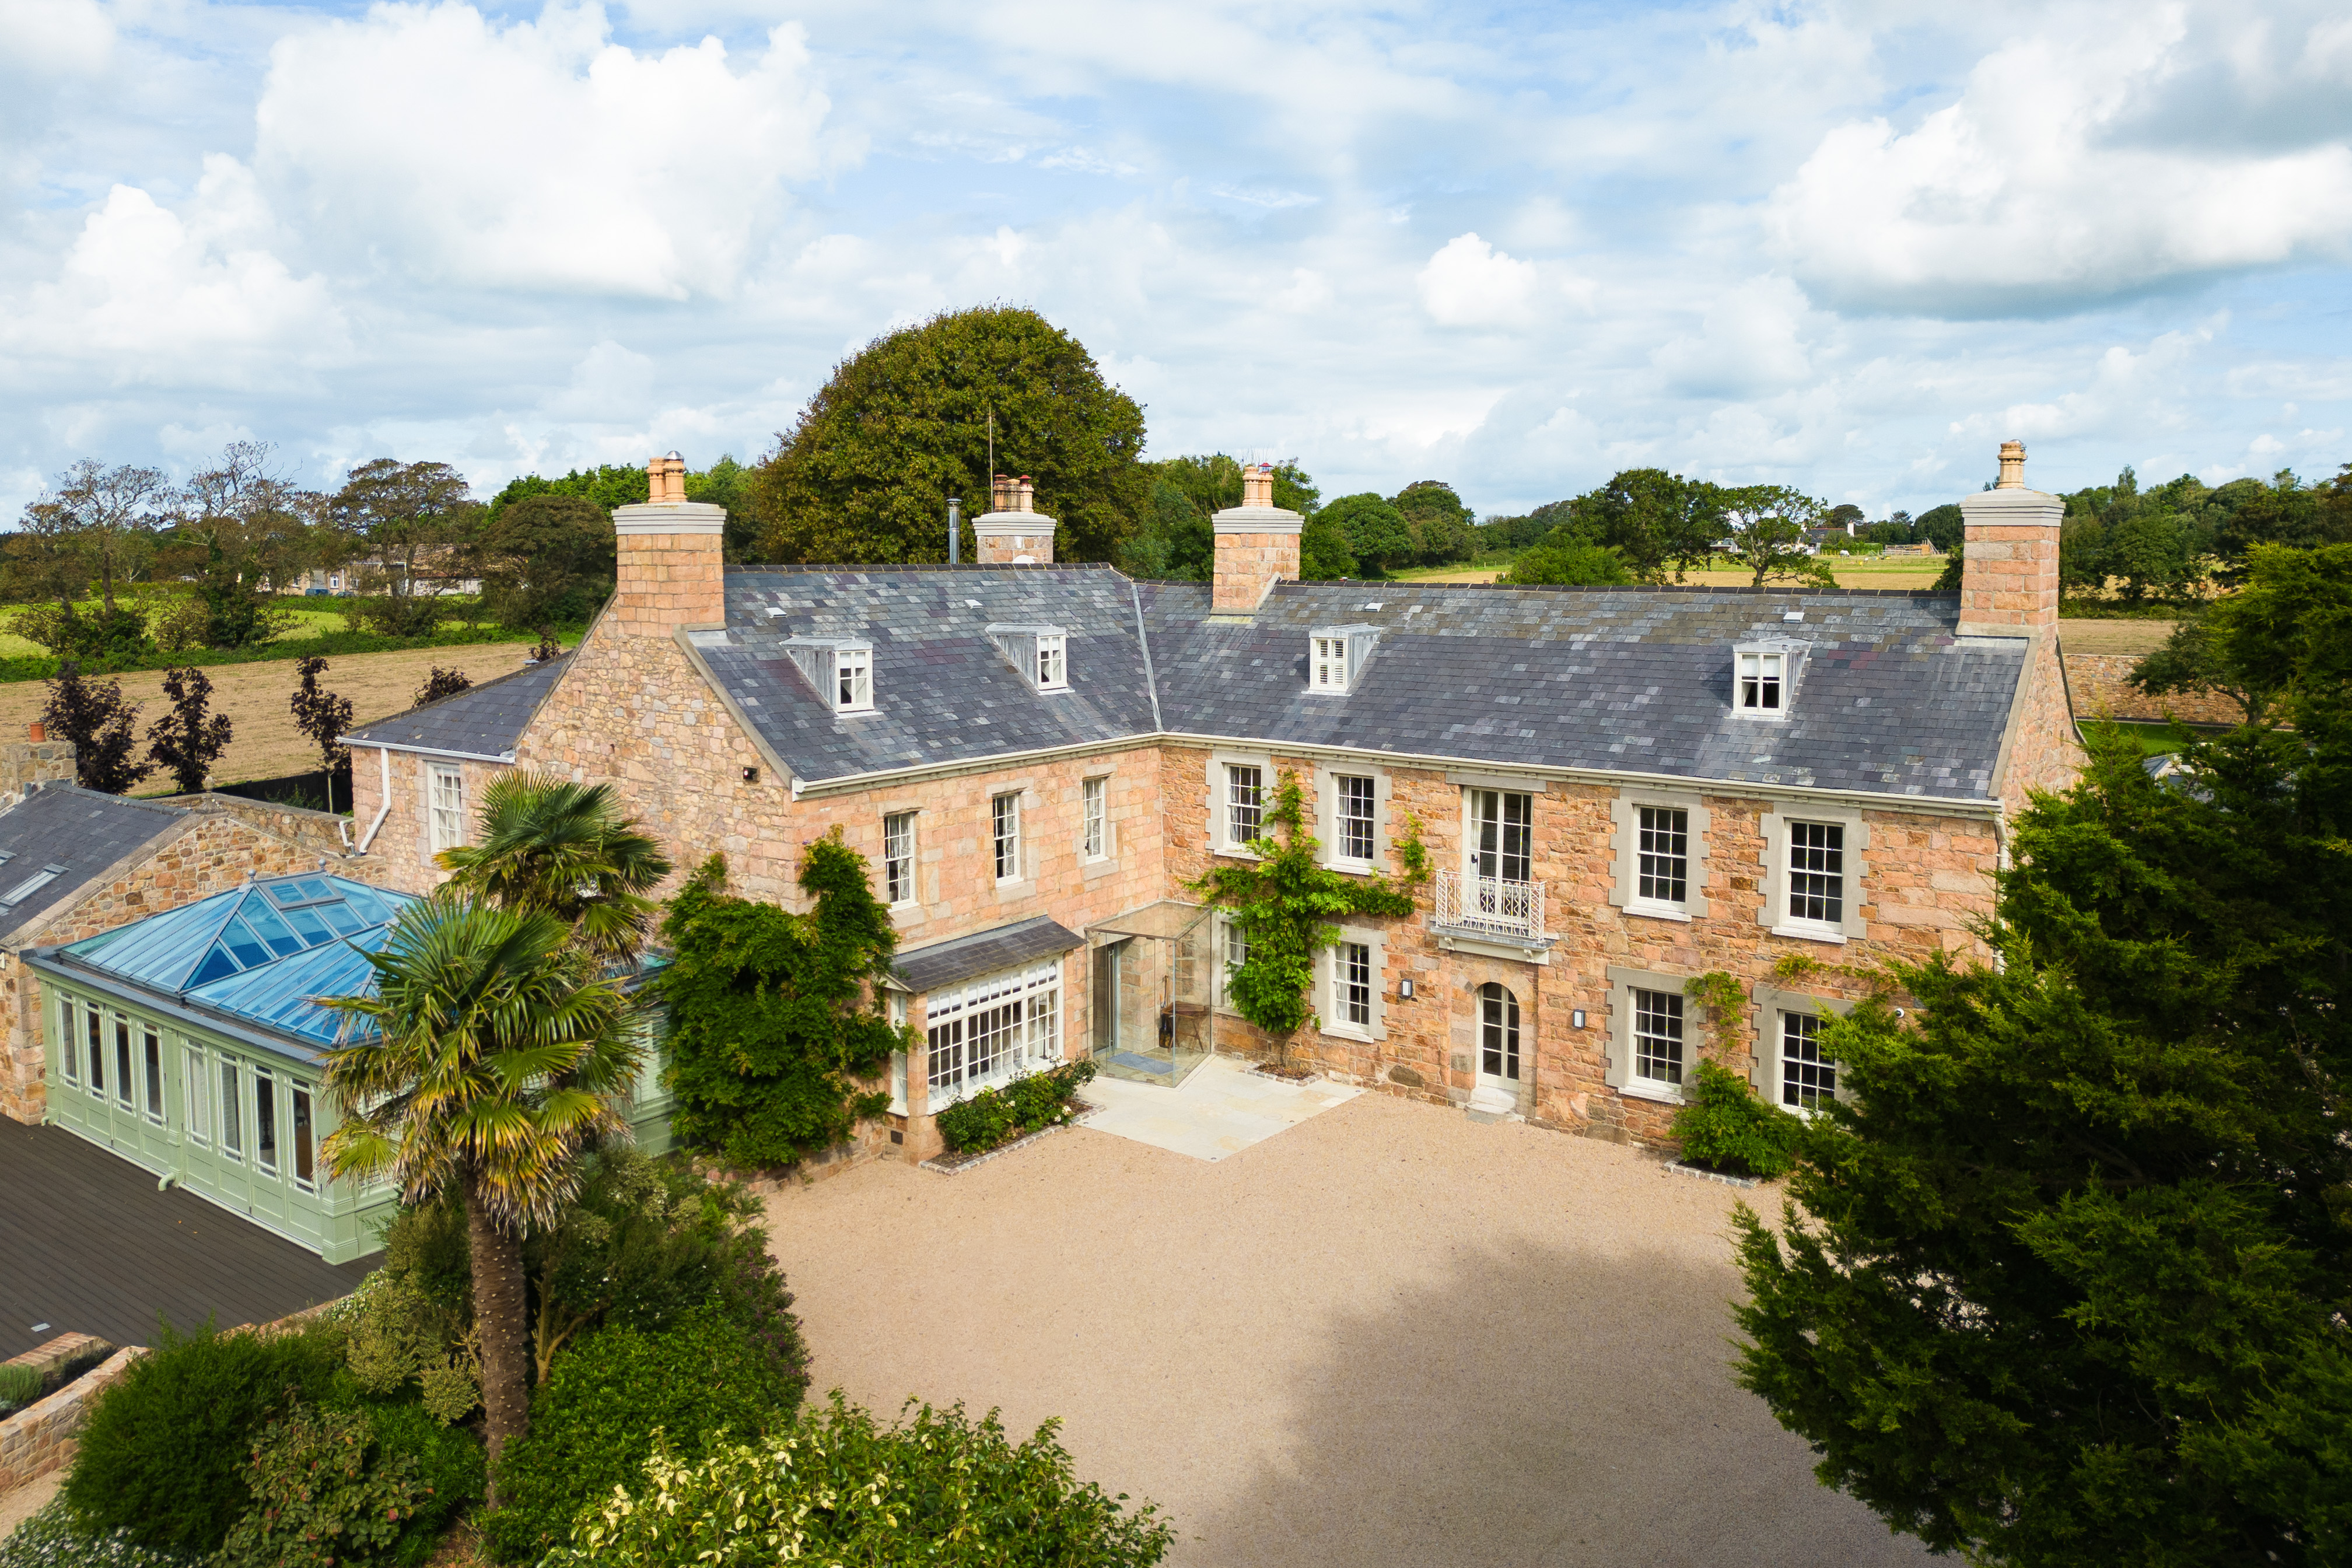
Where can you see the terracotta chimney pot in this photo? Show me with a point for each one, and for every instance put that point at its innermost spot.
(2012, 466)
(40, 733)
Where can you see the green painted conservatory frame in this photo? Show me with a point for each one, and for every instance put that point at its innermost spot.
(189, 1043)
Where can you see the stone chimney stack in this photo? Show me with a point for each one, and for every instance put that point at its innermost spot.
(671, 570)
(1016, 534)
(1257, 545)
(2008, 573)
(26, 766)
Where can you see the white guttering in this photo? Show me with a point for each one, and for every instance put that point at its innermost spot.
(384, 810)
(434, 751)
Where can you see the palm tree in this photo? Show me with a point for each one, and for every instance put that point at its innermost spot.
(566, 848)
(488, 1056)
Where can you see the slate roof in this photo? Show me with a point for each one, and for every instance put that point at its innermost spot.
(926, 969)
(944, 692)
(484, 722)
(1890, 700)
(81, 832)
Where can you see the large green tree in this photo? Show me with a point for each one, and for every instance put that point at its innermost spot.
(1176, 541)
(488, 1056)
(410, 523)
(1440, 523)
(1657, 522)
(1767, 530)
(1376, 532)
(246, 533)
(866, 472)
(2067, 1279)
(545, 559)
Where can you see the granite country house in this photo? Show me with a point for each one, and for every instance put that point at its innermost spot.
(1621, 788)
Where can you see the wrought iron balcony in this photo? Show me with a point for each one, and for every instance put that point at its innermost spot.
(1490, 907)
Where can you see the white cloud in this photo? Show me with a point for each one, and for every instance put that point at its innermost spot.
(1469, 283)
(536, 155)
(1750, 343)
(48, 38)
(2069, 170)
(192, 296)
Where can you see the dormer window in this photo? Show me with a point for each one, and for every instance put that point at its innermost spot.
(1336, 656)
(1764, 678)
(1041, 654)
(1331, 664)
(840, 672)
(852, 674)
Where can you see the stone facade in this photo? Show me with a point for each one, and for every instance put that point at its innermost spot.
(2102, 689)
(26, 763)
(212, 851)
(1248, 566)
(1927, 873)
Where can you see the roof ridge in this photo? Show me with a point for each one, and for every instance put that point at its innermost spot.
(959, 567)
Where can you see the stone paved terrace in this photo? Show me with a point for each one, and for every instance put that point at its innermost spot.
(87, 1244)
(1384, 1338)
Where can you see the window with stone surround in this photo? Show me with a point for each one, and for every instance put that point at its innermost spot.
(1352, 795)
(1806, 1077)
(1653, 1030)
(1236, 953)
(1093, 819)
(1347, 986)
(1351, 810)
(898, 858)
(1815, 868)
(1245, 802)
(1005, 813)
(446, 803)
(1792, 1069)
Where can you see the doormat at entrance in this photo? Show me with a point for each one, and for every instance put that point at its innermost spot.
(1142, 1063)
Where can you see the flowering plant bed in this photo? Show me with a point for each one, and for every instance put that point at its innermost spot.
(956, 1161)
(997, 1116)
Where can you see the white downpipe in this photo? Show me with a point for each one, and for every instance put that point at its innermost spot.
(385, 809)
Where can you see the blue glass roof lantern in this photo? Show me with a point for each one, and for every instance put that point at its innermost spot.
(253, 927)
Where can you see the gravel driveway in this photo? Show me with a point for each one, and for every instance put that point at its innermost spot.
(1386, 1336)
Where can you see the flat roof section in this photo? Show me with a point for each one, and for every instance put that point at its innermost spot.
(93, 1248)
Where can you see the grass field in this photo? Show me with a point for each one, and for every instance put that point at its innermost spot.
(2154, 739)
(307, 622)
(257, 699)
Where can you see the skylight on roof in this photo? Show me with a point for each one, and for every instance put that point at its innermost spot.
(32, 884)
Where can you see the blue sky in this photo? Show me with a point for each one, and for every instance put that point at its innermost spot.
(1848, 247)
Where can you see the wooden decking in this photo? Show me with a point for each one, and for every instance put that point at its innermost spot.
(88, 1244)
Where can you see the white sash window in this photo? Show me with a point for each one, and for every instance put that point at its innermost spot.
(992, 1029)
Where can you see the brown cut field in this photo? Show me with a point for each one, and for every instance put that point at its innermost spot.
(258, 699)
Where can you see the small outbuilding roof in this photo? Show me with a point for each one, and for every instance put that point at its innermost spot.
(483, 721)
(927, 969)
(61, 836)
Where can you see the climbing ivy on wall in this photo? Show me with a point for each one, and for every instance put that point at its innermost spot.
(772, 1021)
(1285, 902)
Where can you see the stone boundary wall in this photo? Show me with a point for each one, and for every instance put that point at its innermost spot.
(2098, 684)
(42, 1437)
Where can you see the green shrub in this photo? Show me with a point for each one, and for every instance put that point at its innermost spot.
(55, 1538)
(839, 1487)
(324, 1493)
(164, 1451)
(593, 1422)
(19, 1386)
(646, 1241)
(449, 1461)
(1725, 1127)
(994, 1117)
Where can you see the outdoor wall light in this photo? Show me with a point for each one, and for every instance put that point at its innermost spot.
(1404, 989)
(1576, 1018)
(750, 775)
